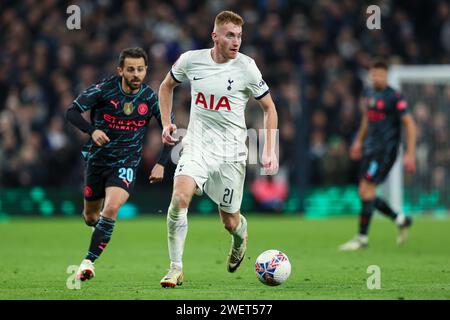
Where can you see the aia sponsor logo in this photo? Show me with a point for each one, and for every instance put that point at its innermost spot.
(212, 103)
(142, 109)
(87, 191)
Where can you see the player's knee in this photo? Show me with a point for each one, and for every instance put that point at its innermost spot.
(180, 199)
(91, 219)
(366, 193)
(230, 225)
(111, 210)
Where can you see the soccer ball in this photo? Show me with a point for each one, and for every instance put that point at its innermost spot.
(272, 267)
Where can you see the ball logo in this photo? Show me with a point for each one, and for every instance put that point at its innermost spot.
(87, 191)
(142, 109)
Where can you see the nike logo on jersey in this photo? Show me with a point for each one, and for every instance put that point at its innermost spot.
(196, 78)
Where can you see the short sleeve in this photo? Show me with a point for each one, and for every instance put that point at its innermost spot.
(88, 98)
(401, 105)
(179, 68)
(256, 85)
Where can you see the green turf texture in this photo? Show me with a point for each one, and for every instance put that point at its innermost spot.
(35, 254)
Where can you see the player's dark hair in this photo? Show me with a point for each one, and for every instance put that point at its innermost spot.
(135, 52)
(379, 64)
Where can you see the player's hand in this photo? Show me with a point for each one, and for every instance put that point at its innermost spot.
(356, 150)
(269, 163)
(409, 162)
(99, 137)
(157, 173)
(167, 134)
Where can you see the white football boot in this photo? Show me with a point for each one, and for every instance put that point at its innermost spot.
(173, 278)
(403, 223)
(357, 243)
(236, 255)
(86, 270)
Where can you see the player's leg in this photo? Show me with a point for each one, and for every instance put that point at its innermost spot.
(225, 187)
(114, 199)
(177, 226)
(403, 222)
(367, 193)
(91, 211)
(94, 194)
(385, 209)
(236, 224)
(117, 183)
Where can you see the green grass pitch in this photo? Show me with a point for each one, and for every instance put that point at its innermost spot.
(35, 254)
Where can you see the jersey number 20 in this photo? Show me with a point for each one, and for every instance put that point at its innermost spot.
(126, 174)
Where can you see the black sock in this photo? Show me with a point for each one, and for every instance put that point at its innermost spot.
(100, 237)
(384, 208)
(365, 216)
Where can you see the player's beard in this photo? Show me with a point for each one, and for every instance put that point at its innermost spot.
(133, 85)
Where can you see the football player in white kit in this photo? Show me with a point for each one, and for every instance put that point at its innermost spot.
(214, 153)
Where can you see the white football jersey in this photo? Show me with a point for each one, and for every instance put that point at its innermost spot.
(219, 92)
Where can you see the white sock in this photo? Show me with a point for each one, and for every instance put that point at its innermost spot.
(239, 233)
(400, 219)
(177, 227)
(363, 238)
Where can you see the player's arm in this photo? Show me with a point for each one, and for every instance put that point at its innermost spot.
(356, 148)
(85, 101)
(165, 106)
(409, 160)
(269, 158)
(157, 173)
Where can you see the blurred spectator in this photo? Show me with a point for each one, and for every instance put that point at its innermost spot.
(270, 193)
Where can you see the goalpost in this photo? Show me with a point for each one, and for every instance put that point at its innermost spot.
(427, 90)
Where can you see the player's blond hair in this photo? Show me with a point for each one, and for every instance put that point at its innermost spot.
(226, 17)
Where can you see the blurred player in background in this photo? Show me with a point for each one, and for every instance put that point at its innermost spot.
(377, 142)
(120, 110)
(214, 152)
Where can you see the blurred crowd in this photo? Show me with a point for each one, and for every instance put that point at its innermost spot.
(313, 54)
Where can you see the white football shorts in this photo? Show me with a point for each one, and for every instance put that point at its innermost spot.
(223, 182)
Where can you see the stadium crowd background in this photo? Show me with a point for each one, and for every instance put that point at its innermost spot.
(313, 54)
